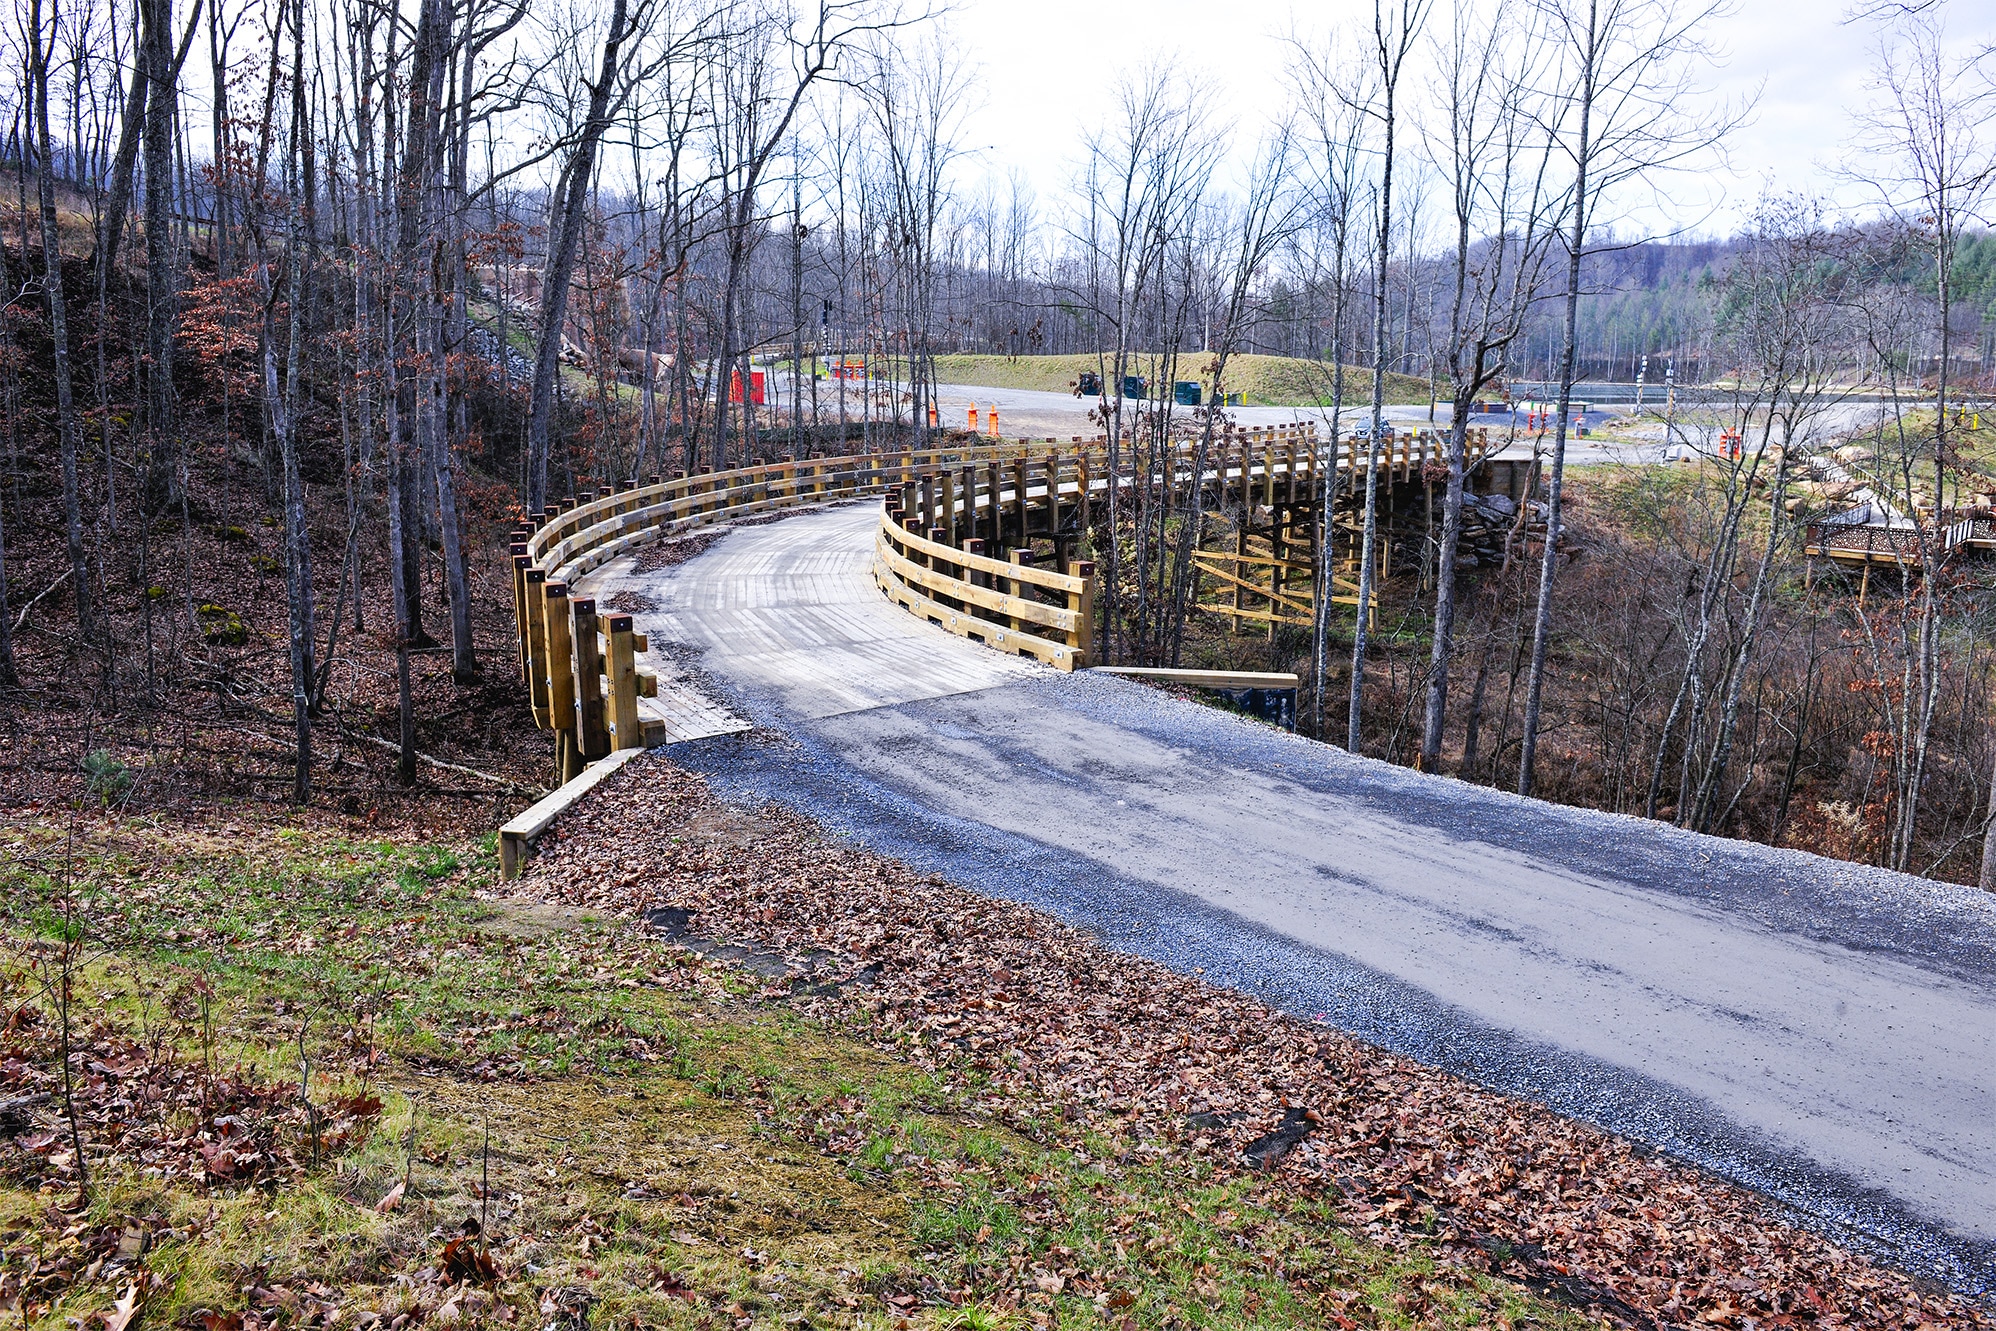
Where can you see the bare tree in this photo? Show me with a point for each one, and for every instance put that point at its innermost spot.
(1928, 150)
(775, 57)
(1628, 66)
(1143, 181)
(567, 213)
(39, 47)
(1332, 152)
(1394, 34)
(281, 399)
(918, 103)
(1494, 153)
(1256, 230)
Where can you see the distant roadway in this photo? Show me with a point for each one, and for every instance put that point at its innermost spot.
(1035, 413)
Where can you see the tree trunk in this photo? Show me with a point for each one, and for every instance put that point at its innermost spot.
(1361, 632)
(162, 254)
(1555, 482)
(65, 401)
(283, 405)
(9, 677)
(111, 223)
(1435, 714)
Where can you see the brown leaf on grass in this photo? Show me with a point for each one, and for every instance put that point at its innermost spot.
(126, 1310)
(392, 1200)
(672, 1285)
(463, 1260)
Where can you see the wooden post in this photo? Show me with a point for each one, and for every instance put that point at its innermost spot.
(946, 506)
(622, 670)
(937, 536)
(1240, 562)
(1016, 587)
(1019, 498)
(1083, 604)
(591, 734)
(537, 679)
(520, 621)
(1278, 550)
(994, 527)
(561, 680)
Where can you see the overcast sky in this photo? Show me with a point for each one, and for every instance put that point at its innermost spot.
(1047, 66)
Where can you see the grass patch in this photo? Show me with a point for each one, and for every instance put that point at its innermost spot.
(624, 1125)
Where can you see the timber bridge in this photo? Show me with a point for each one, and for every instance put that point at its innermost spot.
(981, 539)
(1821, 1031)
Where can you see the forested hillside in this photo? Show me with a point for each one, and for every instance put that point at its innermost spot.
(343, 294)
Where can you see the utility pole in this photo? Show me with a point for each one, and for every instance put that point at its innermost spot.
(797, 302)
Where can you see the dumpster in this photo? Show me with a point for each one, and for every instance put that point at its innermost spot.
(1091, 384)
(1133, 385)
(1186, 393)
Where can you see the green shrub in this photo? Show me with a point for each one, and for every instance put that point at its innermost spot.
(108, 779)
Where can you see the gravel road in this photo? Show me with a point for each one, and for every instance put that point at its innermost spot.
(1820, 1031)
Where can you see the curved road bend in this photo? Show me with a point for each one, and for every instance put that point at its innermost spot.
(1820, 1031)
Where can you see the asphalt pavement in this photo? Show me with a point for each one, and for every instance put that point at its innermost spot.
(1820, 1031)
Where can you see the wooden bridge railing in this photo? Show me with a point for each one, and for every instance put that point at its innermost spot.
(579, 665)
(939, 549)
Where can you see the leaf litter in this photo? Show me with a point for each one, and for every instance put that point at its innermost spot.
(1051, 1024)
